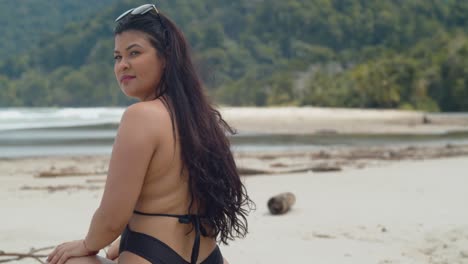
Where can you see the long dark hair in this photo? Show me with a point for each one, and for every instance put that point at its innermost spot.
(202, 132)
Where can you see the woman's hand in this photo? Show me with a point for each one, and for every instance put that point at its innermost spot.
(68, 250)
(113, 251)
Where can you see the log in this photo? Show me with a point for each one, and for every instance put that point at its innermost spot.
(281, 203)
(248, 171)
(325, 167)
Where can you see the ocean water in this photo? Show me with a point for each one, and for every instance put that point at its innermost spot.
(87, 131)
(57, 131)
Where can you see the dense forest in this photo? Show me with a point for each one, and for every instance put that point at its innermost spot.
(410, 54)
(25, 22)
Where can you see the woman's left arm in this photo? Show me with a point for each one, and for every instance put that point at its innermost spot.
(134, 146)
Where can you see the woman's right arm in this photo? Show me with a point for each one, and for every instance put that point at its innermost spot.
(132, 151)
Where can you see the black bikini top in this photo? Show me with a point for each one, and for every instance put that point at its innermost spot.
(187, 219)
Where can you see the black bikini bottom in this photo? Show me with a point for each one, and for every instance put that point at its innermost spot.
(156, 251)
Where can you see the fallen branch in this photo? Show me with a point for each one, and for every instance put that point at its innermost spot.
(322, 167)
(250, 171)
(68, 173)
(18, 256)
(96, 181)
(52, 189)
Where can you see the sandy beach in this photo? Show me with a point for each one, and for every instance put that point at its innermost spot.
(320, 120)
(393, 204)
(396, 212)
(407, 212)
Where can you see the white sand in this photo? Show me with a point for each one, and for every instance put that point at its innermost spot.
(338, 217)
(307, 120)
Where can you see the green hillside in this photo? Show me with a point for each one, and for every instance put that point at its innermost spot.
(351, 53)
(24, 22)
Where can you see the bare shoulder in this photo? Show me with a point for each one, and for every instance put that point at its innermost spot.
(151, 117)
(146, 111)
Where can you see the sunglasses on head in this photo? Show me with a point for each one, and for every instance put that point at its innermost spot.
(141, 10)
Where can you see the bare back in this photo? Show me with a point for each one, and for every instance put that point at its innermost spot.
(165, 190)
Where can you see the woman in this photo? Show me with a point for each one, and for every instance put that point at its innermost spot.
(172, 188)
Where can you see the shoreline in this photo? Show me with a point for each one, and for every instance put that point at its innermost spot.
(249, 163)
(264, 120)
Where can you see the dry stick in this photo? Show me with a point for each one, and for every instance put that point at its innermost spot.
(22, 256)
(19, 256)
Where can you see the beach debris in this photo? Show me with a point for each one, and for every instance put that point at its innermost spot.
(325, 167)
(382, 228)
(326, 132)
(56, 188)
(250, 171)
(464, 253)
(389, 154)
(337, 159)
(315, 168)
(321, 235)
(96, 181)
(426, 120)
(13, 256)
(281, 168)
(267, 157)
(281, 203)
(321, 155)
(54, 172)
(278, 165)
(385, 261)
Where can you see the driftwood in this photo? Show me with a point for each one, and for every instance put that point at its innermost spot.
(281, 203)
(322, 167)
(18, 256)
(248, 171)
(96, 181)
(52, 189)
(67, 173)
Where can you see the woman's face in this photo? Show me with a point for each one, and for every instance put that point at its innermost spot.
(138, 68)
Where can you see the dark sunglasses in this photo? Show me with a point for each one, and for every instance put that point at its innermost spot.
(141, 10)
